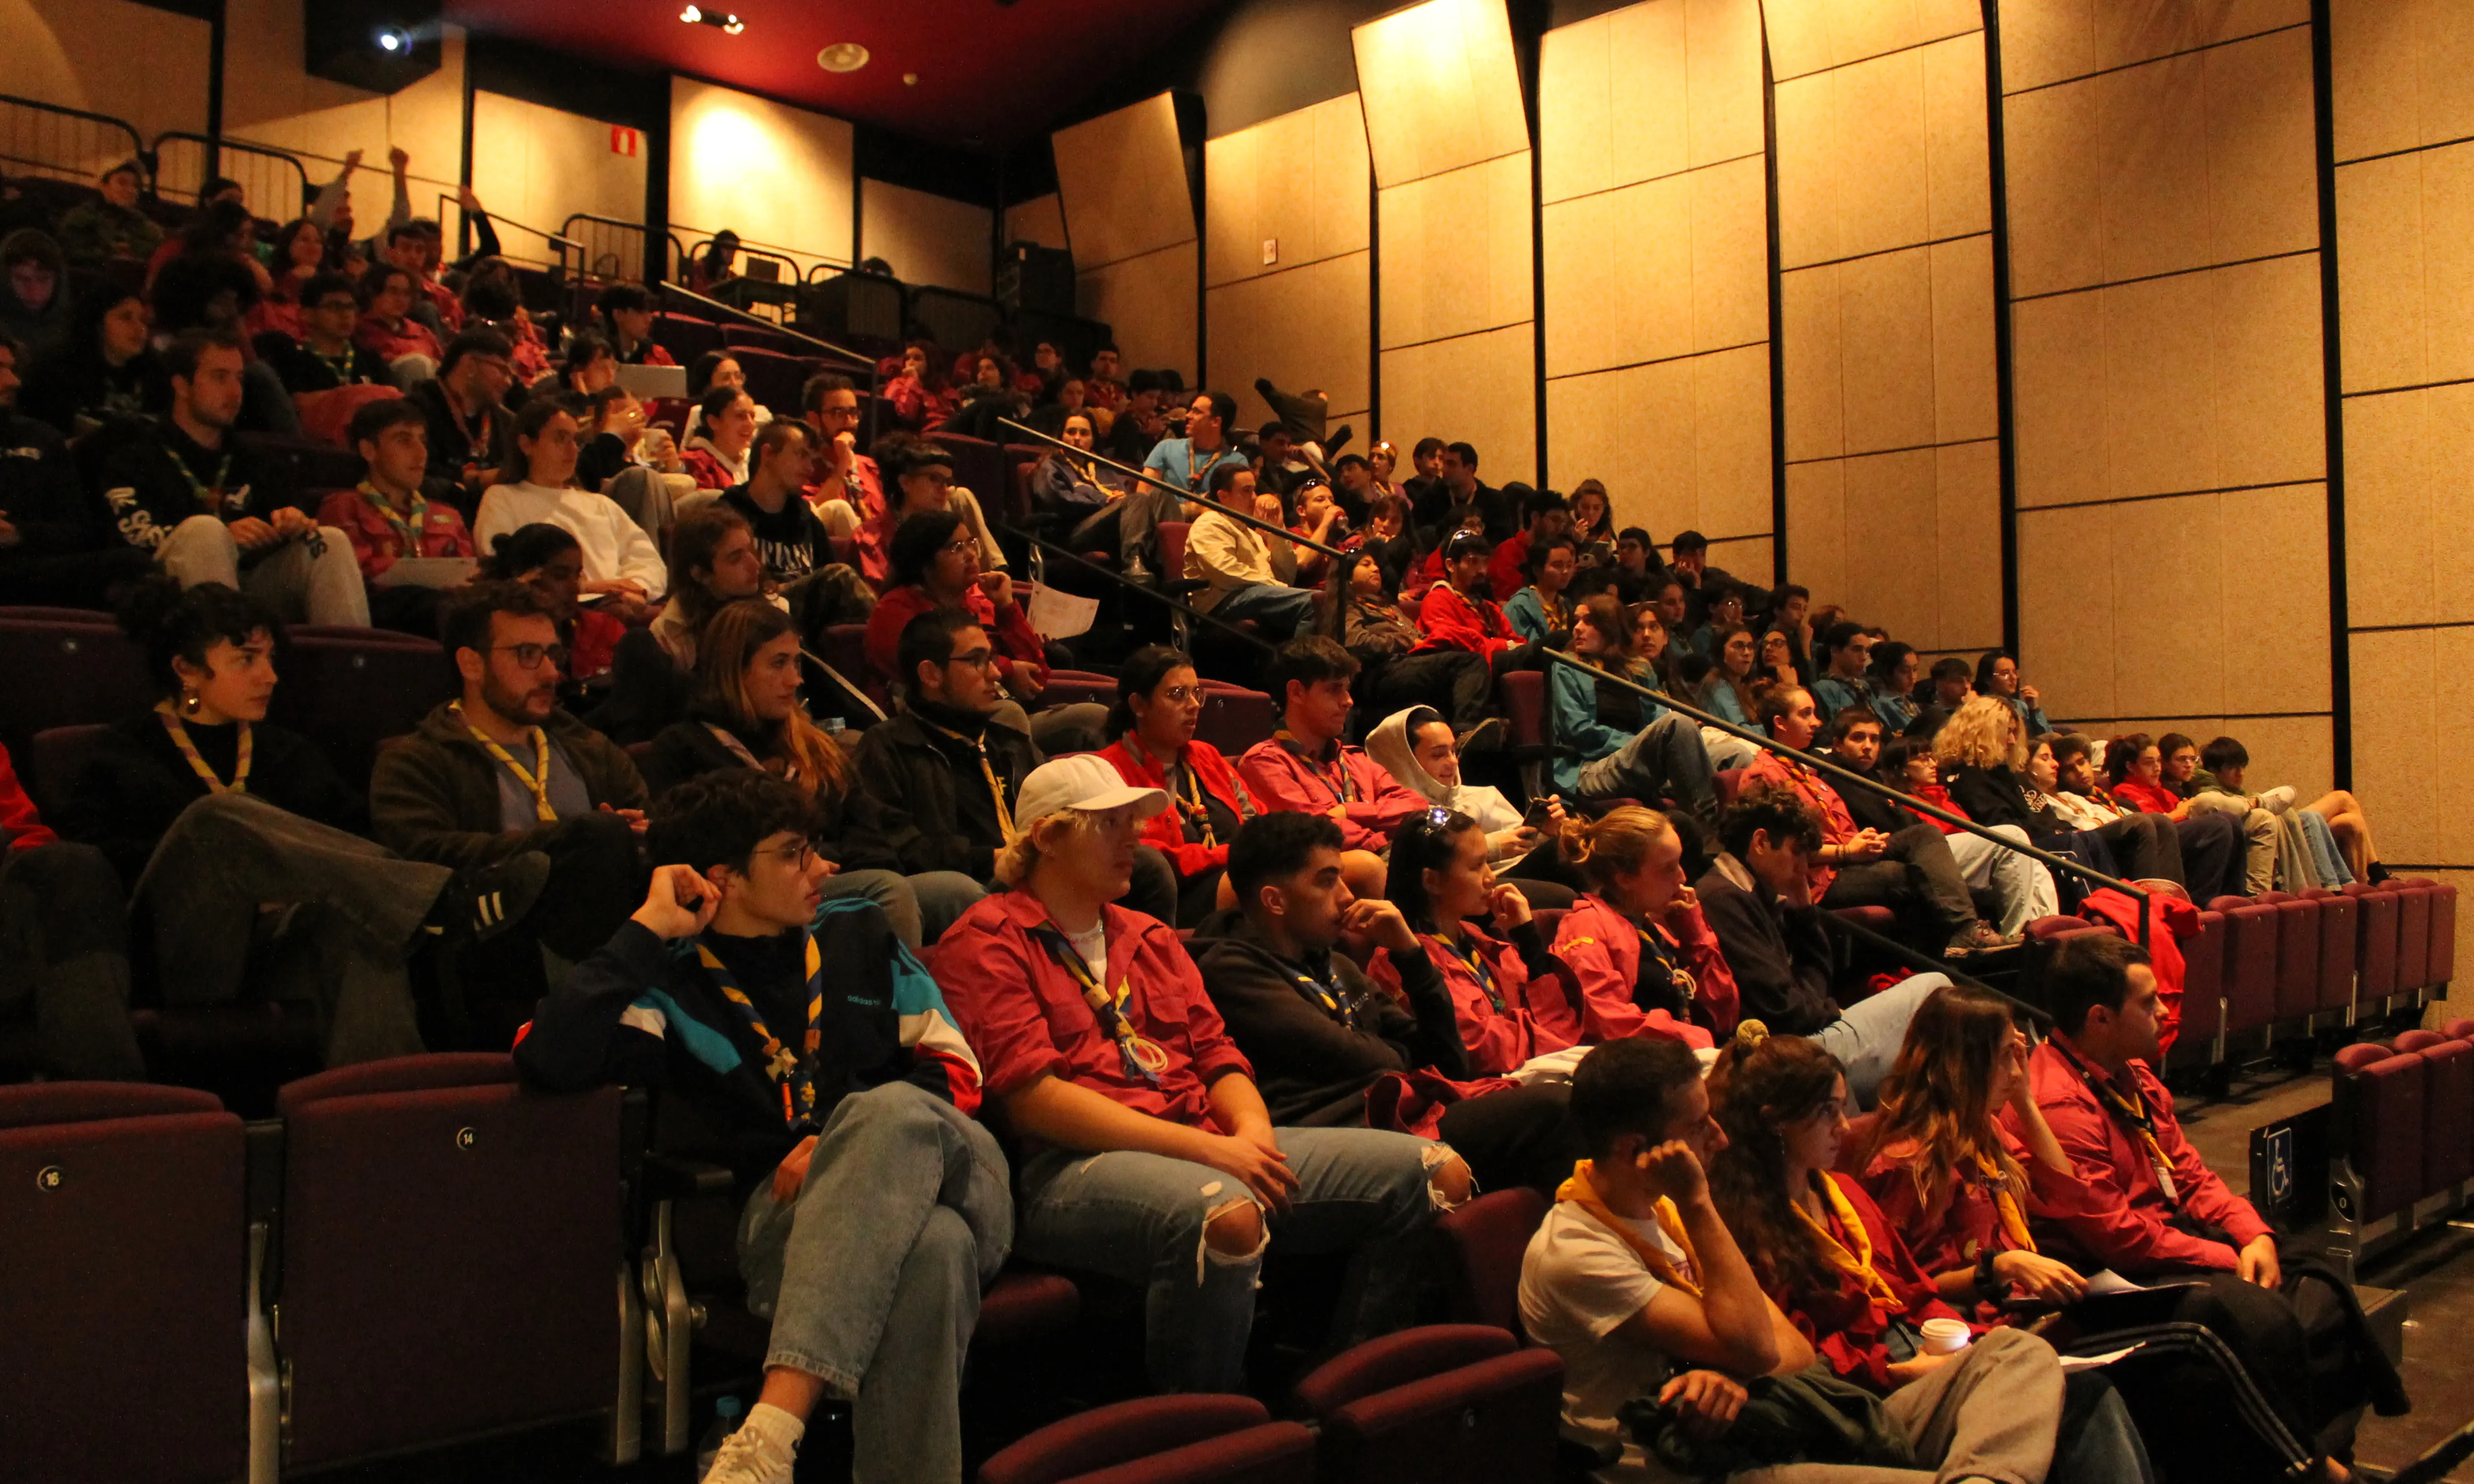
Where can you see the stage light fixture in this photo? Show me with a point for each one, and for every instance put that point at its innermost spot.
(842, 56)
(721, 21)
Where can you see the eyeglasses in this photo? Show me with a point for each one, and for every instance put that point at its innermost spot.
(530, 656)
(968, 544)
(799, 854)
(1179, 694)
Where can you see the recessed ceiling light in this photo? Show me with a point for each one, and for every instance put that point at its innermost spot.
(842, 56)
(910, 80)
(697, 15)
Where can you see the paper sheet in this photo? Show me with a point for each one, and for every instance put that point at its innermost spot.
(2073, 1364)
(2108, 1281)
(1055, 615)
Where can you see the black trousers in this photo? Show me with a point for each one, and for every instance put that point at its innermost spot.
(2213, 856)
(1917, 877)
(597, 880)
(65, 961)
(2147, 845)
(1519, 1136)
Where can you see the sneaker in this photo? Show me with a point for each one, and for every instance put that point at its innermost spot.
(1485, 737)
(484, 901)
(1979, 937)
(748, 1456)
(2277, 800)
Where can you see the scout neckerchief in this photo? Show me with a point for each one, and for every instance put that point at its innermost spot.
(1467, 952)
(197, 765)
(2014, 1223)
(1582, 1190)
(794, 1072)
(1344, 791)
(1324, 989)
(1855, 1261)
(407, 529)
(1190, 802)
(2131, 1110)
(1198, 479)
(1678, 979)
(538, 780)
(740, 750)
(209, 497)
(1143, 1057)
(988, 770)
(346, 367)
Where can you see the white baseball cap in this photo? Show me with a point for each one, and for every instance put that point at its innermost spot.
(1084, 781)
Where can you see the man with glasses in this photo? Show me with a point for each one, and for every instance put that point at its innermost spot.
(502, 770)
(849, 489)
(470, 433)
(1186, 463)
(331, 358)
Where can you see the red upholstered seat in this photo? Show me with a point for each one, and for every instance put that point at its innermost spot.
(1488, 1238)
(2458, 1031)
(2379, 1112)
(1025, 1305)
(351, 688)
(1161, 1440)
(1444, 1401)
(2044, 928)
(2340, 927)
(2448, 1116)
(2413, 935)
(1235, 718)
(2375, 942)
(2417, 1040)
(2251, 929)
(67, 672)
(2360, 1054)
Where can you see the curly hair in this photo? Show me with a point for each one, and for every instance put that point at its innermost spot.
(1759, 1084)
(1982, 733)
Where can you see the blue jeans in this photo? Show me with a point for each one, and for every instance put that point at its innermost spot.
(872, 1276)
(1283, 610)
(1140, 1218)
(921, 906)
(1665, 759)
(1866, 1036)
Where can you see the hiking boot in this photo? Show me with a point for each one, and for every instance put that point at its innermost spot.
(483, 901)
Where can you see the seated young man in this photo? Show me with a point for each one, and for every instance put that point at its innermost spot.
(398, 510)
(1246, 574)
(1096, 1037)
(1321, 1034)
(1756, 895)
(1842, 651)
(1637, 1282)
(329, 358)
(859, 1165)
(1910, 870)
(1545, 516)
(2222, 767)
(1456, 612)
(2152, 1209)
(1305, 765)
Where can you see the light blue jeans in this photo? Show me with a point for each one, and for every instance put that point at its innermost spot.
(1867, 1034)
(1664, 760)
(1140, 1218)
(1283, 610)
(872, 1276)
(920, 906)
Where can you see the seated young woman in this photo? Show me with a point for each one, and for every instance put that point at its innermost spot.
(1638, 951)
(1543, 611)
(1359, 610)
(242, 851)
(747, 713)
(1151, 745)
(1728, 692)
(2134, 774)
(1510, 1003)
(1418, 748)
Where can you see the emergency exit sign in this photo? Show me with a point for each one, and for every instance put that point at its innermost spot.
(624, 140)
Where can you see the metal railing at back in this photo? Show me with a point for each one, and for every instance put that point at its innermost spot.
(1241, 517)
(274, 183)
(791, 258)
(63, 143)
(742, 317)
(557, 248)
(611, 249)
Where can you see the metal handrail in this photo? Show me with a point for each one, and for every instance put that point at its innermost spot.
(1053, 549)
(855, 357)
(215, 148)
(1925, 964)
(1157, 483)
(137, 150)
(1831, 770)
(772, 250)
(557, 243)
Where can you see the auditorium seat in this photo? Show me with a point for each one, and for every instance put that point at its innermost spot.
(2297, 954)
(2250, 981)
(739, 337)
(670, 412)
(122, 1300)
(845, 649)
(2340, 925)
(978, 466)
(2203, 973)
(1235, 718)
(2442, 966)
(1438, 1402)
(2417, 1040)
(2375, 944)
(2414, 935)
(1067, 687)
(2448, 1116)
(1521, 694)
(773, 377)
(1728, 782)
(1488, 1238)
(685, 336)
(349, 689)
(1161, 1440)
(65, 673)
(2379, 1131)
(451, 1251)
(50, 763)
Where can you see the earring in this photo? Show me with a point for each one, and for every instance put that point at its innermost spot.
(189, 701)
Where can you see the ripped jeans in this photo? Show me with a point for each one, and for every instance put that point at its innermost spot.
(1140, 1218)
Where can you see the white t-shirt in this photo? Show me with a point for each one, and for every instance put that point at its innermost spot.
(1579, 1281)
(1093, 946)
(613, 545)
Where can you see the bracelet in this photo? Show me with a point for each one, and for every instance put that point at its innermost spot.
(1988, 1285)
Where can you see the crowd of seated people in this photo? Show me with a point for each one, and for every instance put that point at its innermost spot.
(1307, 996)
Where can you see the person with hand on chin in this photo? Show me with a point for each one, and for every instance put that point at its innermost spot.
(1640, 956)
(621, 562)
(1508, 992)
(1096, 1037)
(875, 1207)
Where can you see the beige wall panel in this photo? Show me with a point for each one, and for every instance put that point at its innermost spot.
(133, 61)
(1730, 254)
(2263, 175)
(2374, 51)
(1967, 491)
(1230, 248)
(2444, 70)
(1807, 35)
(2400, 747)
(1809, 176)
(1344, 194)
(2159, 414)
(1297, 180)
(1456, 252)
(1041, 220)
(2447, 262)
(1632, 429)
(1751, 558)
(1723, 53)
(2044, 42)
(2379, 271)
(2129, 30)
(1620, 279)
(1879, 158)
(270, 98)
(1454, 390)
(1148, 301)
(1812, 343)
(1959, 182)
(1886, 329)
(928, 238)
(2271, 404)
(2056, 229)
(721, 138)
(1440, 86)
(536, 165)
(2152, 151)
(1579, 120)
(2293, 607)
(1816, 527)
(1799, 37)
(2057, 360)
(1122, 178)
(1964, 401)
(2410, 507)
(1731, 466)
(2156, 679)
(2066, 620)
(1306, 327)
(1889, 501)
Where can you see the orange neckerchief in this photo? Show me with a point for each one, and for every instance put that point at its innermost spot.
(1856, 1263)
(1582, 1190)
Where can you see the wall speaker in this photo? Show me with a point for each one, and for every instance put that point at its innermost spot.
(382, 46)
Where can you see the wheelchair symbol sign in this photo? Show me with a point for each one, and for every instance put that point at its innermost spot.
(2280, 1165)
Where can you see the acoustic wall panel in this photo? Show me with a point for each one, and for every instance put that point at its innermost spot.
(2048, 41)
(721, 138)
(1122, 180)
(270, 98)
(1456, 252)
(2403, 74)
(536, 165)
(1041, 220)
(1645, 91)
(1441, 88)
(1809, 36)
(137, 63)
(1305, 329)
(1148, 302)
(1471, 390)
(2410, 507)
(929, 239)
(1679, 443)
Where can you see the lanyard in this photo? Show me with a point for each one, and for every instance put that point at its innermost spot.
(2014, 1223)
(1855, 1260)
(538, 780)
(1143, 1057)
(2131, 1110)
(1197, 479)
(407, 529)
(988, 770)
(197, 765)
(344, 366)
(1343, 792)
(1582, 1190)
(1467, 954)
(796, 1074)
(210, 499)
(1678, 978)
(1326, 991)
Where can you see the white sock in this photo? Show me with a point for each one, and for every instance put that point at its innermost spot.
(770, 1421)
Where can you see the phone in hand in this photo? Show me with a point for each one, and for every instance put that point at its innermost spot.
(1540, 812)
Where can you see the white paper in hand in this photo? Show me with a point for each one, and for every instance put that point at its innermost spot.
(1055, 615)
(2071, 1365)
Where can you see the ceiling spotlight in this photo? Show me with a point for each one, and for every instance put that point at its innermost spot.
(697, 15)
(842, 56)
(910, 80)
(393, 40)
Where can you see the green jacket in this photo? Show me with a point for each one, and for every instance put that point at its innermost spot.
(434, 795)
(99, 230)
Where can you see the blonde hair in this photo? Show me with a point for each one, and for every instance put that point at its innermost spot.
(1614, 844)
(1980, 735)
(1021, 852)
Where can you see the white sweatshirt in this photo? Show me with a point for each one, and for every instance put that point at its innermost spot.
(614, 546)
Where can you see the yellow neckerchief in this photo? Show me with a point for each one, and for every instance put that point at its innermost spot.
(538, 780)
(1856, 1263)
(1189, 802)
(1343, 792)
(792, 1071)
(407, 529)
(1467, 954)
(1582, 1190)
(2130, 1108)
(987, 770)
(2014, 1222)
(1144, 1060)
(197, 765)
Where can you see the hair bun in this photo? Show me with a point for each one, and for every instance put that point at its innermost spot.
(1750, 1034)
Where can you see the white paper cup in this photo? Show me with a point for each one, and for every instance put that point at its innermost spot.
(1945, 1336)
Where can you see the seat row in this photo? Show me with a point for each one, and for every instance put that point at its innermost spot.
(2400, 1137)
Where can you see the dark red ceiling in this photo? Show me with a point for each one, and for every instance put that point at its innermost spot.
(989, 74)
